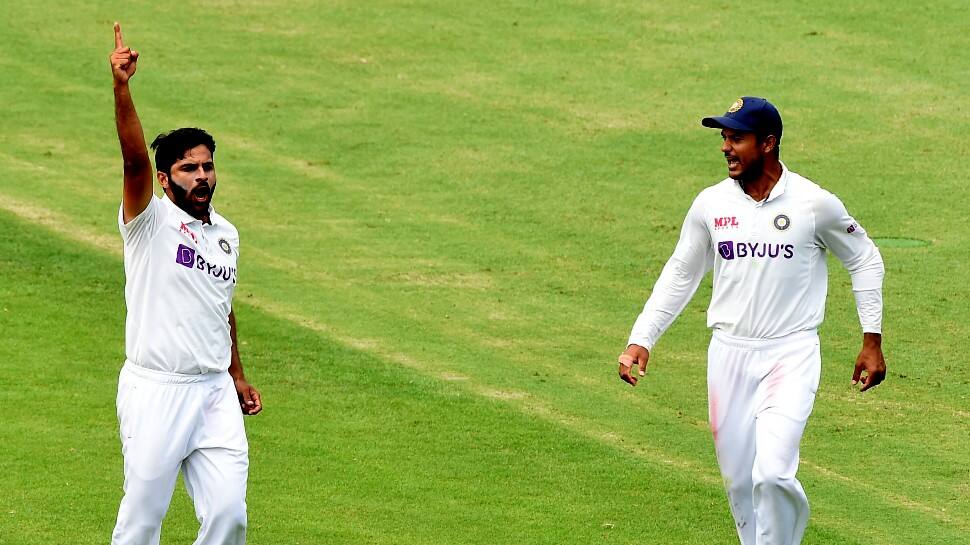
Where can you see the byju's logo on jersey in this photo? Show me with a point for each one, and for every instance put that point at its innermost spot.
(187, 257)
(728, 250)
(726, 222)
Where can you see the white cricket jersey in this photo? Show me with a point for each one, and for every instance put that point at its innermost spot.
(180, 277)
(770, 276)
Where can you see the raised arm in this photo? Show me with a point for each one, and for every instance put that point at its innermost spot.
(137, 191)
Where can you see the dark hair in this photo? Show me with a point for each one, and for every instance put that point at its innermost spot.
(171, 146)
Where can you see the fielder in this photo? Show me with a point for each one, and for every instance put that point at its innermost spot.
(764, 230)
(182, 385)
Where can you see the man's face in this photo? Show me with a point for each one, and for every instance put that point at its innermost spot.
(745, 155)
(192, 181)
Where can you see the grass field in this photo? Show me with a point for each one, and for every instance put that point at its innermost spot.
(451, 213)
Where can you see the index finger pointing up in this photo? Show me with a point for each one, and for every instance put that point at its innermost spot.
(118, 41)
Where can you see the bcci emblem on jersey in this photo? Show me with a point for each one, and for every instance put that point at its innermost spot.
(782, 222)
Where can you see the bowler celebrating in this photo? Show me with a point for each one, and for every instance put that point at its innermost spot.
(764, 230)
(182, 385)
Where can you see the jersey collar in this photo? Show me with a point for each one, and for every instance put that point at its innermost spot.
(777, 191)
(184, 216)
(781, 186)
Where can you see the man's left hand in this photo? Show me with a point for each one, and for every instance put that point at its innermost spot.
(249, 400)
(870, 362)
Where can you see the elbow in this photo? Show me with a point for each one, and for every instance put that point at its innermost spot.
(869, 274)
(875, 263)
(136, 165)
(870, 261)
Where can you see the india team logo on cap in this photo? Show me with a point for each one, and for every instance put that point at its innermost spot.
(782, 222)
(738, 104)
(224, 244)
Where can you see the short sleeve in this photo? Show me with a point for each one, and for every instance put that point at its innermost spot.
(143, 227)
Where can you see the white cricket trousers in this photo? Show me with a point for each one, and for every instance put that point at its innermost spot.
(760, 394)
(193, 423)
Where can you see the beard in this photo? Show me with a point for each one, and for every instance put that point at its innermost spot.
(185, 200)
(752, 172)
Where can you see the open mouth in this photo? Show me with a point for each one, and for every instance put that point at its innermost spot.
(201, 194)
(733, 162)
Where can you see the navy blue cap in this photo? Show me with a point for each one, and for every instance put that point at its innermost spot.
(750, 114)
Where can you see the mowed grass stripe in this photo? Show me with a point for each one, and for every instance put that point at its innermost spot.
(509, 354)
(350, 449)
(64, 227)
(518, 347)
(510, 242)
(67, 79)
(181, 525)
(569, 127)
(523, 402)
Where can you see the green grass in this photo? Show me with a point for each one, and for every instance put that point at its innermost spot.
(451, 213)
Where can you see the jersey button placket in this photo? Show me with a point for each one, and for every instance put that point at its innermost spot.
(205, 239)
(753, 230)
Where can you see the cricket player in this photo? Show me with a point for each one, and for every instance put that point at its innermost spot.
(181, 392)
(764, 230)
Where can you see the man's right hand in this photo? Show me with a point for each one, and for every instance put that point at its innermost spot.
(635, 356)
(123, 60)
